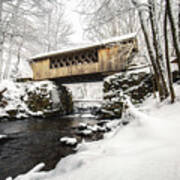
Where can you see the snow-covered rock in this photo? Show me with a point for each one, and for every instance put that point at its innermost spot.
(82, 125)
(19, 100)
(69, 141)
(85, 132)
(93, 128)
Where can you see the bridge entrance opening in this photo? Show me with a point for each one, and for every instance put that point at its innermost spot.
(86, 96)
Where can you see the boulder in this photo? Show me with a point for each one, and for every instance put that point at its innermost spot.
(43, 98)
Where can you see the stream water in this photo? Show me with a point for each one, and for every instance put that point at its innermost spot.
(35, 140)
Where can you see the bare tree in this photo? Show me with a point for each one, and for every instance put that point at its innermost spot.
(173, 32)
(1, 38)
(11, 37)
(179, 22)
(24, 30)
(172, 93)
(157, 47)
(58, 30)
(150, 50)
(107, 18)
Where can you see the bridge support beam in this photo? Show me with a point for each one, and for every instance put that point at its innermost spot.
(80, 79)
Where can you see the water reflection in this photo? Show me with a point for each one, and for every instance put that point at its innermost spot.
(13, 127)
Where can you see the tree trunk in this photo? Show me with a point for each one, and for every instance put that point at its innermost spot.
(150, 52)
(157, 47)
(9, 59)
(48, 32)
(1, 40)
(173, 32)
(151, 55)
(179, 23)
(172, 93)
(11, 41)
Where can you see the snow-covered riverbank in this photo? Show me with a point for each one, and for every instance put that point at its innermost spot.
(148, 148)
(21, 100)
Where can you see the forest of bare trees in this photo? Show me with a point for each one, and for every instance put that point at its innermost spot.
(157, 24)
(28, 28)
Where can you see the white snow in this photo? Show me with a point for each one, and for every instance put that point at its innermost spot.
(80, 115)
(148, 148)
(83, 47)
(128, 74)
(82, 125)
(32, 174)
(86, 132)
(25, 71)
(2, 136)
(68, 140)
(87, 115)
(93, 128)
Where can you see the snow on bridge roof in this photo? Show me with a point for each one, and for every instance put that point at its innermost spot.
(84, 47)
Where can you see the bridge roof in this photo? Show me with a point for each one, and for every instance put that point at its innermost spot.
(84, 47)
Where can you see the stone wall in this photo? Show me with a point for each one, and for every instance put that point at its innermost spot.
(57, 100)
(136, 85)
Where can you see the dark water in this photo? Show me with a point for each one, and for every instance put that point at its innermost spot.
(33, 141)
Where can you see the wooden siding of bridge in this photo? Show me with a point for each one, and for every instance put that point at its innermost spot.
(42, 71)
(110, 59)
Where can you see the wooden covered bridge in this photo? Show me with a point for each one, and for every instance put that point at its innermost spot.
(88, 63)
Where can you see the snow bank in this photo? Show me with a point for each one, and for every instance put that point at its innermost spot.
(148, 148)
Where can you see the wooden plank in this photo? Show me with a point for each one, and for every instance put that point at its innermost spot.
(108, 59)
(40, 69)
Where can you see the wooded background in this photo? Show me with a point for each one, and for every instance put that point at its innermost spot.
(31, 27)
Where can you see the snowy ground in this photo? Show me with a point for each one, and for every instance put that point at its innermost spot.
(148, 148)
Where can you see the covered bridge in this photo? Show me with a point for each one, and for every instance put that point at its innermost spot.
(86, 63)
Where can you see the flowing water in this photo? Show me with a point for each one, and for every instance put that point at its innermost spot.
(35, 140)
